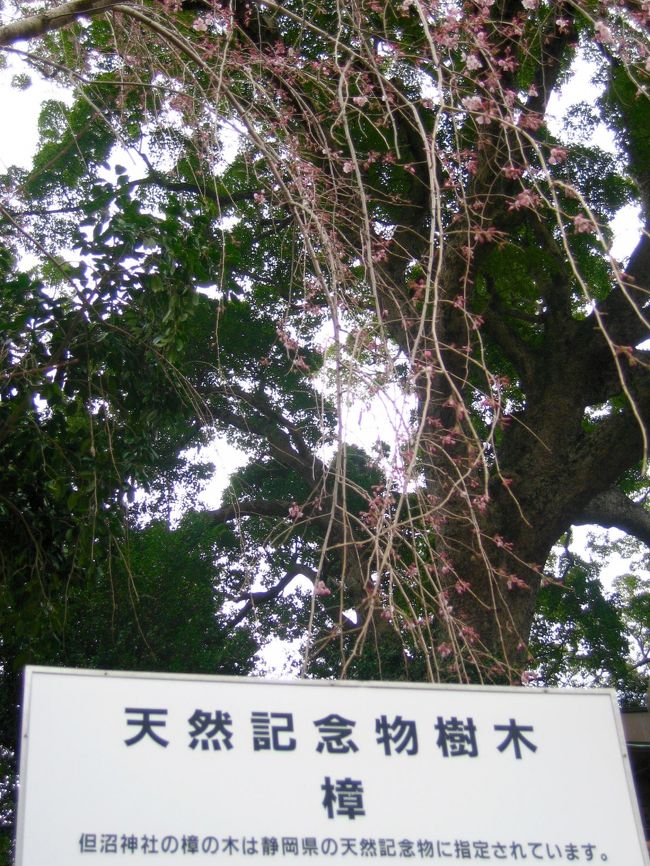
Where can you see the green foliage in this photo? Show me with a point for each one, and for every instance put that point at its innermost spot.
(629, 110)
(89, 421)
(157, 608)
(21, 82)
(148, 603)
(585, 635)
(70, 139)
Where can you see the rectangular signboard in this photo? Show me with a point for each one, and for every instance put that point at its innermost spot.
(129, 768)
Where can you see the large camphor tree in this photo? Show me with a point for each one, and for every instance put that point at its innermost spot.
(261, 220)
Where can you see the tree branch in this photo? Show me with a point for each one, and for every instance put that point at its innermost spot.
(53, 19)
(554, 43)
(281, 447)
(515, 349)
(254, 599)
(254, 508)
(624, 312)
(285, 440)
(614, 510)
(614, 445)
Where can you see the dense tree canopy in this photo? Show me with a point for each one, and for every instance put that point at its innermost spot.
(259, 220)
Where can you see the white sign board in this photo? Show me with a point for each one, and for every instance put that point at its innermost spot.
(121, 768)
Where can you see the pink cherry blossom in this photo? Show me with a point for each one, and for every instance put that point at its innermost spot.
(472, 63)
(603, 33)
(473, 103)
(526, 198)
(582, 224)
(558, 155)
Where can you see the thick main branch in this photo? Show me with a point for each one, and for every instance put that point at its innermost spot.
(53, 19)
(614, 510)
